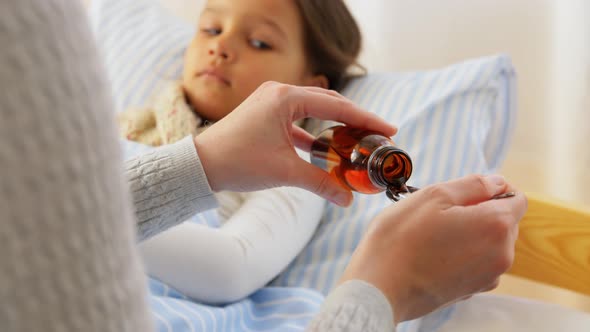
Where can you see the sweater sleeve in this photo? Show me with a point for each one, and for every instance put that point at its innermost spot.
(354, 306)
(168, 186)
(67, 234)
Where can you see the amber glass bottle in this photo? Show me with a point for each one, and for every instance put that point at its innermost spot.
(362, 160)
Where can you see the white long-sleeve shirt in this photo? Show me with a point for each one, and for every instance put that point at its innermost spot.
(261, 233)
(67, 235)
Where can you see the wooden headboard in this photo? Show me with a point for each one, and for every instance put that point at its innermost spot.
(553, 245)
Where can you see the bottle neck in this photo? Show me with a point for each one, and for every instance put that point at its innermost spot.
(389, 166)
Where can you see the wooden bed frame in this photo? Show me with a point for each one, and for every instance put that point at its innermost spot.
(553, 245)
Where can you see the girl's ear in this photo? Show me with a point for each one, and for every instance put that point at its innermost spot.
(319, 81)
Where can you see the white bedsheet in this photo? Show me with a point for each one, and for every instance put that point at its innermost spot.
(493, 313)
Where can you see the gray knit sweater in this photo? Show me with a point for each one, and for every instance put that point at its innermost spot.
(67, 221)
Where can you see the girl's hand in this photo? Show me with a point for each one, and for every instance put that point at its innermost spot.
(439, 245)
(253, 147)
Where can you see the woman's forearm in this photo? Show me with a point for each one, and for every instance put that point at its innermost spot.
(67, 237)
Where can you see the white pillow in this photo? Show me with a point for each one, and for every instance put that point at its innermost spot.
(453, 121)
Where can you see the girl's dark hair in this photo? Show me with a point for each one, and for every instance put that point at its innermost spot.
(332, 39)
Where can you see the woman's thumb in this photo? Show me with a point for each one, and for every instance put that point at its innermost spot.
(318, 181)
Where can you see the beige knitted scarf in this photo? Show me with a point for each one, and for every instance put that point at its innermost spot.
(167, 119)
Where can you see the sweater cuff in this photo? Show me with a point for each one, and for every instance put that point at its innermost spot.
(169, 186)
(191, 174)
(361, 296)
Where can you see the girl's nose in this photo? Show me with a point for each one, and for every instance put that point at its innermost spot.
(222, 54)
(221, 50)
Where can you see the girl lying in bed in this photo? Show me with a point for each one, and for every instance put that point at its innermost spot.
(238, 46)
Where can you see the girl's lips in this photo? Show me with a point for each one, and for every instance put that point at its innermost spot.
(214, 74)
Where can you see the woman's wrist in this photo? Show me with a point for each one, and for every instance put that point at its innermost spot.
(207, 162)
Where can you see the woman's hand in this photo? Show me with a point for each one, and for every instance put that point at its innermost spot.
(441, 244)
(253, 147)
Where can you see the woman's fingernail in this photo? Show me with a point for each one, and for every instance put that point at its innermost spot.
(496, 179)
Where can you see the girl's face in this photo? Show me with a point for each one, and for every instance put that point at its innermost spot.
(239, 45)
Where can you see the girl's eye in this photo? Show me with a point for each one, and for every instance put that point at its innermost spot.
(211, 31)
(259, 44)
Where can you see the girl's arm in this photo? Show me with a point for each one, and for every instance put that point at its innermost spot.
(220, 265)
